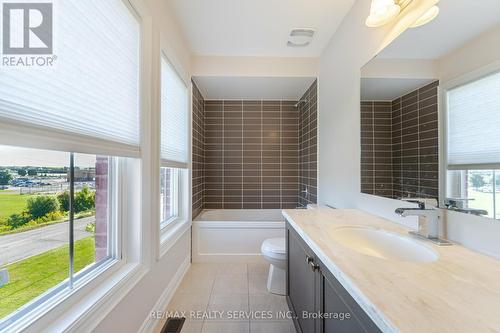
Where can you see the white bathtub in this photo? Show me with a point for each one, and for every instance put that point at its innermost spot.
(234, 235)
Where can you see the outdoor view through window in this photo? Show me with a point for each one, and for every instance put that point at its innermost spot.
(34, 227)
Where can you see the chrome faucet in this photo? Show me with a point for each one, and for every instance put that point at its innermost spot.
(428, 230)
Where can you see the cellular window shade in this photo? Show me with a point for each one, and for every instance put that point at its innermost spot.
(474, 125)
(93, 88)
(174, 117)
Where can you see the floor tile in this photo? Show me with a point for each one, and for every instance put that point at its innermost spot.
(257, 284)
(203, 270)
(276, 304)
(272, 327)
(226, 327)
(189, 302)
(231, 269)
(229, 306)
(236, 284)
(197, 284)
(258, 269)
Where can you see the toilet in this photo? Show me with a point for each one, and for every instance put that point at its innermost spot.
(274, 251)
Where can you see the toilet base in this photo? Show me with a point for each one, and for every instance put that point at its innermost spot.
(276, 281)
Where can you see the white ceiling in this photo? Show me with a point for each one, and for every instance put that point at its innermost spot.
(389, 89)
(458, 22)
(287, 88)
(257, 27)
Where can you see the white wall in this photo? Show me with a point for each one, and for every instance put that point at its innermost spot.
(479, 52)
(401, 69)
(478, 233)
(254, 66)
(352, 46)
(131, 312)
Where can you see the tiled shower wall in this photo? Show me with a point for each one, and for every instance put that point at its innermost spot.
(415, 143)
(308, 119)
(251, 154)
(376, 148)
(198, 151)
(254, 154)
(412, 161)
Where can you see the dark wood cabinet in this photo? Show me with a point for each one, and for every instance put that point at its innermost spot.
(318, 301)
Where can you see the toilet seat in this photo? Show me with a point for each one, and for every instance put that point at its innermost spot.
(274, 248)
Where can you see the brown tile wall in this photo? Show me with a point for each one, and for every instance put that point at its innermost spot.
(251, 154)
(198, 151)
(308, 118)
(416, 144)
(411, 124)
(376, 148)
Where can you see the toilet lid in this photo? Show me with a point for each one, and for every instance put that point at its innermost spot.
(274, 245)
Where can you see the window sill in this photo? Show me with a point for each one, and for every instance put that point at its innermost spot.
(170, 234)
(81, 309)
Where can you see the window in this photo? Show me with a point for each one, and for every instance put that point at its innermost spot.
(56, 222)
(174, 145)
(169, 194)
(473, 146)
(76, 121)
(92, 91)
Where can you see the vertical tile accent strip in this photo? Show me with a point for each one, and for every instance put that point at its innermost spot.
(198, 152)
(307, 146)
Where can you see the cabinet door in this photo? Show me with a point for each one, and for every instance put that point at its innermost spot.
(335, 300)
(301, 281)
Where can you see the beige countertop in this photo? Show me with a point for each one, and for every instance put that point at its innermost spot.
(460, 292)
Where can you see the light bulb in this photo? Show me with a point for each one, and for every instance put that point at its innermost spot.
(429, 15)
(382, 12)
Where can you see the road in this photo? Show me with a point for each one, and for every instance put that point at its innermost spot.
(15, 247)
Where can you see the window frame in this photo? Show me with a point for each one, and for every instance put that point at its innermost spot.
(96, 295)
(464, 79)
(169, 233)
(174, 193)
(63, 291)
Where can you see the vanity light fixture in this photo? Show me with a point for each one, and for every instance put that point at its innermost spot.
(383, 12)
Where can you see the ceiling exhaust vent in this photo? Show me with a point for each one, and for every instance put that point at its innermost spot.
(300, 37)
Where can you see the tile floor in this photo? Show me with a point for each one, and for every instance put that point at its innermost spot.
(221, 291)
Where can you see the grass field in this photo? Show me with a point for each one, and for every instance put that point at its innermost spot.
(11, 203)
(33, 276)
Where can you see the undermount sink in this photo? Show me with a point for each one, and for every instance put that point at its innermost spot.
(383, 244)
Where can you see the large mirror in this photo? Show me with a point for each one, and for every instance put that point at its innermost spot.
(430, 113)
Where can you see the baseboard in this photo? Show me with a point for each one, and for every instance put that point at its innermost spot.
(150, 323)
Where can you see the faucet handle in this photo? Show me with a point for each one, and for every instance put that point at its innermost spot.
(421, 204)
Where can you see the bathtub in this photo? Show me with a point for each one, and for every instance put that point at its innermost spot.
(234, 235)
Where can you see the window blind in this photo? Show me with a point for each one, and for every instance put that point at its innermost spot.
(474, 124)
(174, 117)
(92, 90)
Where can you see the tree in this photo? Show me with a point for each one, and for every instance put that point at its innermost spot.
(84, 200)
(63, 199)
(22, 172)
(41, 205)
(5, 177)
(477, 180)
(17, 220)
(32, 172)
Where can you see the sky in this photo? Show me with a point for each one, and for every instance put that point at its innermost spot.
(16, 156)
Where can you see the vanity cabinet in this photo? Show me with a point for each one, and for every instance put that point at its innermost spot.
(318, 301)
